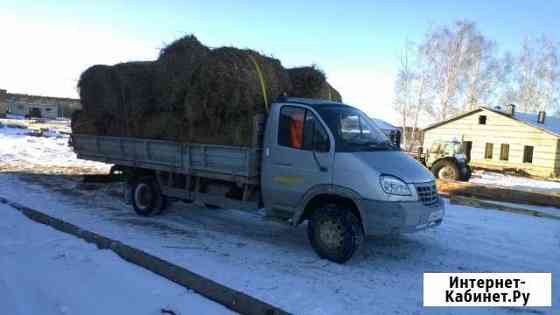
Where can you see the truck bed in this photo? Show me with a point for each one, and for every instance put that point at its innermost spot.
(231, 163)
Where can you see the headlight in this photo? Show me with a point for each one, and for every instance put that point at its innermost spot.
(394, 186)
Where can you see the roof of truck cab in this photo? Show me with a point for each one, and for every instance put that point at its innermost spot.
(314, 103)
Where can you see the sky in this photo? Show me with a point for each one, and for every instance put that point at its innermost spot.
(45, 45)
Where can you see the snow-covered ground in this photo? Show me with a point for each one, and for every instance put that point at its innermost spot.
(50, 154)
(514, 182)
(275, 262)
(43, 271)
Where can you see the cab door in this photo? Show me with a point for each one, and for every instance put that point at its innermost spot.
(298, 155)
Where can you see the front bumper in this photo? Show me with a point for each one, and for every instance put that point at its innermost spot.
(386, 217)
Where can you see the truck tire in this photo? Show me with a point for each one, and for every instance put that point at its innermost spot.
(146, 197)
(335, 234)
(446, 170)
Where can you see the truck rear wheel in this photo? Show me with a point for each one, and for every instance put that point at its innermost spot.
(147, 199)
(446, 170)
(335, 234)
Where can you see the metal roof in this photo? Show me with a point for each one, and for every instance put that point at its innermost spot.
(551, 124)
(383, 125)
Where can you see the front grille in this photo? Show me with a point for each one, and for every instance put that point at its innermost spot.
(427, 193)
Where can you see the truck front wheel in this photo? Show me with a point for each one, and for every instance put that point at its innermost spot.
(147, 199)
(335, 234)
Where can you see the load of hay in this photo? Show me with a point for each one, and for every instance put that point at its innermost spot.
(310, 82)
(191, 93)
(114, 98)
(226, 93)
(173, 71)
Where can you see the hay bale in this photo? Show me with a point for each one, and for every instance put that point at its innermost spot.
(162, 126)
(310, 82)
(135, 80)
(99, 90)
(115, 98)
(81, 124)
(173, 71)
(101, 98)
(328, 92)
(226, 93)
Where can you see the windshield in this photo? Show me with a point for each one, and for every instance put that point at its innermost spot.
(458, 148)
(353, 130)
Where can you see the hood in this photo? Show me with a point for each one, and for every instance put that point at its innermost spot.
(395, 163)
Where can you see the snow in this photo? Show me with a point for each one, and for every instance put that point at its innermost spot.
(22, 151)
(43, 271)
(514, 182)
(267, 260)
(541, 209)
(276, 264)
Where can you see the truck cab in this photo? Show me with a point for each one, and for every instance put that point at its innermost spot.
(327, 163)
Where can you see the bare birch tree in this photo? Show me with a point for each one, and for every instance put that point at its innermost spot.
(456, 68)
(481, 71)
(404, 86)
(445, 51)
(411, 89)
(536, 82)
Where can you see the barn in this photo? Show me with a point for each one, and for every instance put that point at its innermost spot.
(39, 106)
(504, 140)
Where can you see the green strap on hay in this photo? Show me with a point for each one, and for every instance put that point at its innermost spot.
(261, 78)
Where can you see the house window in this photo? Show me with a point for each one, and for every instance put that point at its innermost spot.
(528, 154)
(488, 151)
(504, 152)
(482, 120)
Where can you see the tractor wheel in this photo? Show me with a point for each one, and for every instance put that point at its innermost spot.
(446, 170)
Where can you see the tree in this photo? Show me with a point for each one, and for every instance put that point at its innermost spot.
(462, 66)
(456, 68)
(411, 87)
(404, 85)
(444, 51)
(536, 76)
(481, 71)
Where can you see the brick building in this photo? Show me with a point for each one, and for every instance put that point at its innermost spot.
(47, 106)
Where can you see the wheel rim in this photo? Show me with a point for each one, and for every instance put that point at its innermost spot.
(331, 234)
(143, 196)
(447, 172)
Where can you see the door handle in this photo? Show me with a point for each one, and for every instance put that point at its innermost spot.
(283, 164)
